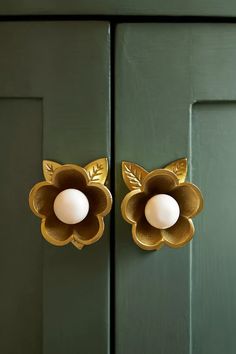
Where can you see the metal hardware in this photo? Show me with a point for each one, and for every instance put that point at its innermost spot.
(168, 181)
(90, 182)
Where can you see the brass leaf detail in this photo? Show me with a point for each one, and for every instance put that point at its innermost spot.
(133, 175)
(180, 168)
(48, 169)
(97, 170)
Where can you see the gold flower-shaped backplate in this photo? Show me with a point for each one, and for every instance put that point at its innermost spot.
(143, 185)
(89, 180)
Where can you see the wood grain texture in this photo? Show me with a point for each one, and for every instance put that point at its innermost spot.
(214, 255)
(21, 263)
(161, 71)
(121, 7)
(66, 65)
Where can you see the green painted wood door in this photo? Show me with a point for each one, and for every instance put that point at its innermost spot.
(175, 97)
(54, 104)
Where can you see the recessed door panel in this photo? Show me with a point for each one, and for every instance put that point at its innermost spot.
(213, 286)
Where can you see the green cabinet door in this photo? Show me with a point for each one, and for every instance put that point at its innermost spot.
(175, 97)
(175, 88)
(54, 104)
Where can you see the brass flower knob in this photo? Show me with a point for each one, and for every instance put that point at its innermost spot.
(160, 205)
(72, 202)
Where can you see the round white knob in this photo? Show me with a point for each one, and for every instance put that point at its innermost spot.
(71, 206)
(162, 211)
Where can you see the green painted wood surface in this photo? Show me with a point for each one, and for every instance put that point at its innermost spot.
(213, 258)
(121, 7)
(178, 301)
(21, 263)
(54, 104)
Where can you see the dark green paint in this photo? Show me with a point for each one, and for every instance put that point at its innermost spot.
(66, 65)
(214, 256)
(175, 97)
(121, 7)
(21, 248)
(162, 70)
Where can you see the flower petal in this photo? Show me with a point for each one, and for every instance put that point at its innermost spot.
(100, 199)
(180, 233)
(146, 236)
(55, 231)
(89, 230)
(70, 176)
(133, 205)
(189, 199)
(41, 199)
(160, 181)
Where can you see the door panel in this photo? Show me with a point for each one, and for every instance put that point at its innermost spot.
(21, 267)
(213, 255)
(121, 7)
(175, 94)
(54, 104)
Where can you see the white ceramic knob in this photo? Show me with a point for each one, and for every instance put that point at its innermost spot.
(71, 206)
(162, 211)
